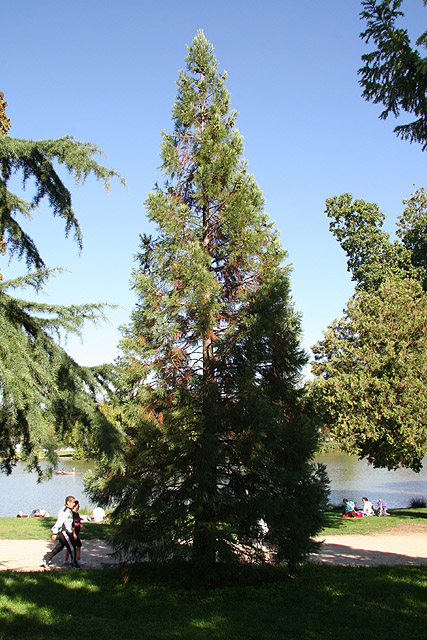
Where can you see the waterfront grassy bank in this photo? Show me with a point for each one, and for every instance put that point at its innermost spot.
(39, 528)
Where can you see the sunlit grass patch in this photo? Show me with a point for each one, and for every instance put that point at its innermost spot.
(336, 525)
(13, 609)
(40, 529)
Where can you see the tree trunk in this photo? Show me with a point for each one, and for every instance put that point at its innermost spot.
(205, 529)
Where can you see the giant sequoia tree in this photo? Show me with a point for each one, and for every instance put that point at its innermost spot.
(215, 434)
(371, 365)
(42, 390)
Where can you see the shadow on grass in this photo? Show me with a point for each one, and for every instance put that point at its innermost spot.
(334, 520)
(413, 513)
(160, 605)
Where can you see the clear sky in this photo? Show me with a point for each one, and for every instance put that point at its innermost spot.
(104, 71)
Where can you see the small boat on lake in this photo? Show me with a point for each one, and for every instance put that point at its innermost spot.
(62, 472)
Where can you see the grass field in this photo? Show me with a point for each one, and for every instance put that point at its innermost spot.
(386, 603)
(164, 603)
(336, 525)
(39, 528)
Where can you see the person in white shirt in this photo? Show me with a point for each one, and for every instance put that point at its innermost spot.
(98, 514)
(62, 532)
(368, 508)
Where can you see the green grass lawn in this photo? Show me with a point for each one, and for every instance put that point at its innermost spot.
(162, 603)
(386, 603)
(39, 529)
(336, 525)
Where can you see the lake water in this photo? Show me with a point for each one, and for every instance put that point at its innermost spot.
(21, 492)
(353, 478)
(349, 478)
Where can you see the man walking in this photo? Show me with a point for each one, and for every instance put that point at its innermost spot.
(62, 532)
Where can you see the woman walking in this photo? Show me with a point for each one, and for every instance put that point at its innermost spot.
(63, 534)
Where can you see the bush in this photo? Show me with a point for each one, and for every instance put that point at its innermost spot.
(418, 503)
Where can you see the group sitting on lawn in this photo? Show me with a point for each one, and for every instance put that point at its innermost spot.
(349, 509)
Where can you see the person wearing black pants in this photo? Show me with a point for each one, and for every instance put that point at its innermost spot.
(62, 533)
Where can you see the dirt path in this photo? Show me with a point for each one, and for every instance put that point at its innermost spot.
(26, 555)
(406, 545)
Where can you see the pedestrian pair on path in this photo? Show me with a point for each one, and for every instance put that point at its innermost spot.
(65, 535)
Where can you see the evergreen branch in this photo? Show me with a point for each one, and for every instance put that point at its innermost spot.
(35, 159)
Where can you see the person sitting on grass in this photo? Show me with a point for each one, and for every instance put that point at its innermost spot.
(348, 510)
(98, 514)
(368, 508)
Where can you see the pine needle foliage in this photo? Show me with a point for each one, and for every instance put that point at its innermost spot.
(395, 73)
(43, 391)
(35, 161)
(215, 432)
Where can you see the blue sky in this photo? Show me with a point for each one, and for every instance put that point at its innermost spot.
(105, 72)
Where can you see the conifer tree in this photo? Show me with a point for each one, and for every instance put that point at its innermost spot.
(215, 434)
(43, 391)
(395, 73)
(35, 161)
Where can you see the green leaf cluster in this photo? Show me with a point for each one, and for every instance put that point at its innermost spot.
(370, 366)
(373, 372)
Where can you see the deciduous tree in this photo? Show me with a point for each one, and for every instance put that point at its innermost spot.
(371, 364)
(372, 375)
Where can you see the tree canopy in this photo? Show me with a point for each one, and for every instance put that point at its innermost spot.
(371, 364)
(42, 390)
(395, 73)
(215, 435)
(373, 368)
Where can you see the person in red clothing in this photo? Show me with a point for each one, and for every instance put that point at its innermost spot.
(77, 526)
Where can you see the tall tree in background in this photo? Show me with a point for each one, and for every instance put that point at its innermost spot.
(217, 436)
(395, 74)
(43, 392)
(371, 255)
(371, 366)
